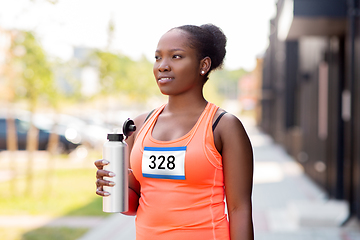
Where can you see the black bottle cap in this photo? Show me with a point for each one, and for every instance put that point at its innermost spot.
(129, 127)
(115, 137)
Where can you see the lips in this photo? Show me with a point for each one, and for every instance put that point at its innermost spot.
(163, 80)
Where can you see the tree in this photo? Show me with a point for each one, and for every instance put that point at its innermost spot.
(119, 74)
(34, 83)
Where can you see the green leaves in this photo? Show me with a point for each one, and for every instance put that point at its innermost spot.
(32, 77)
(121, 75)
(33, 71)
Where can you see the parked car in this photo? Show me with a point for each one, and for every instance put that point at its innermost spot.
(22, 127)
(74, 129)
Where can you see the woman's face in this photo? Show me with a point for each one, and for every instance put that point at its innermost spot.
(177, 67)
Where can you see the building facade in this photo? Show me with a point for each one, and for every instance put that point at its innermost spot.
(311, 91)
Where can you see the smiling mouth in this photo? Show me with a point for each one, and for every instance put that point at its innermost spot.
(165, 80)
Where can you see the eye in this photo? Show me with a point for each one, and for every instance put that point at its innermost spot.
(177, 56)
(157, 58)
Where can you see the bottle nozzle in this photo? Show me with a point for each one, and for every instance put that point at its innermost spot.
(132, 128)
(129, 127)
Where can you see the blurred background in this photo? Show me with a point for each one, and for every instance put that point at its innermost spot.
(73, 71)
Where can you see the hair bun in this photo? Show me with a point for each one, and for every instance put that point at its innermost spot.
(220, 40)
(209, 41)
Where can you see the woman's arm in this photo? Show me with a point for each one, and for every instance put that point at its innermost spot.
(237, 156)
(134, 195)
(134, 185)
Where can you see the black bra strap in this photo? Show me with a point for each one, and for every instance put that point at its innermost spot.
(218, 119)
(149, 115)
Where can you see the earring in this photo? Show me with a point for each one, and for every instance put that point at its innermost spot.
(202, 72)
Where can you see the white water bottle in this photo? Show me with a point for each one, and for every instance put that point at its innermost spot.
(115, 152)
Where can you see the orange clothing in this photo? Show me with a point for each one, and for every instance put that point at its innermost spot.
(173, 208)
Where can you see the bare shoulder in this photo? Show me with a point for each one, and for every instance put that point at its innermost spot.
(139, 120)
(233, 134)
(229, 123)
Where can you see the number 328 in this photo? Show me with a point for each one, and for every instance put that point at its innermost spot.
(165, 163)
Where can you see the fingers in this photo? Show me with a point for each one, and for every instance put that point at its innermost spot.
(101, 163)
(104, 173)
(100, 174)
(100, 182)
(101, 192)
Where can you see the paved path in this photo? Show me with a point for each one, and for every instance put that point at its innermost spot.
(116, 227)
(289, 205)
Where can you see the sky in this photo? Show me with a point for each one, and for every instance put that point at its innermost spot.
(139, 24)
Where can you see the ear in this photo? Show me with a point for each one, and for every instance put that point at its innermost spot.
(205, 65)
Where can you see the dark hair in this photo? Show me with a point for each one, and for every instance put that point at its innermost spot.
(210, 42)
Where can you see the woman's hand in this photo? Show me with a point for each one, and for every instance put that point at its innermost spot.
(100, 174)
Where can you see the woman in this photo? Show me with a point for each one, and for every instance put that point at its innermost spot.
(184, 159)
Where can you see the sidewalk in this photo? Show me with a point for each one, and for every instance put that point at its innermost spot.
(286, 203)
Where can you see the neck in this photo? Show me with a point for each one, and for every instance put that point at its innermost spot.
(188, 103)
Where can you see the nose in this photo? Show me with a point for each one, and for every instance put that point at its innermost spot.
(164, 66)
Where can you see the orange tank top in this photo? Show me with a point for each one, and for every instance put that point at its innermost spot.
(182, 186)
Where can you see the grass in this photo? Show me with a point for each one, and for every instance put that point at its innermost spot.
(44, 233)
(54, 234)
(66, 192)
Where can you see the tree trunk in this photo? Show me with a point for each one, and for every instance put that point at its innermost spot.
(12, 147)
(32, 142)
(52, 149)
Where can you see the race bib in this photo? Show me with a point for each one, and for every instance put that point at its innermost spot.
(164, 162)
